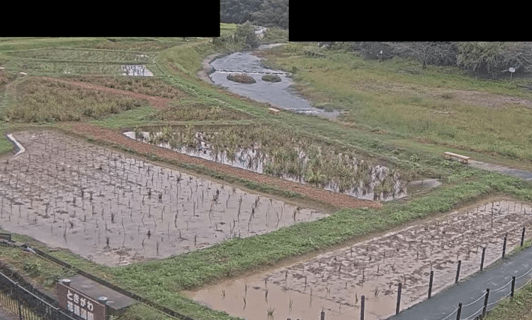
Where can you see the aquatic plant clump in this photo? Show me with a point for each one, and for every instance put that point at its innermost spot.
(271, 78)
(282, 154)
(241, 78)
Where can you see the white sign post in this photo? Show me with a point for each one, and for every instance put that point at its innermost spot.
(512, 70)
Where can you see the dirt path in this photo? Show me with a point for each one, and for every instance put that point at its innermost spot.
(156, 102)
(526, 175)
(334, 199)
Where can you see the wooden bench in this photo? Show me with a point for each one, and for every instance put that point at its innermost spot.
(274, 111)
(450, 155)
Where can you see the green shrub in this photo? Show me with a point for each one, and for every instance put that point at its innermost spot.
(271, 78)
(241, 78)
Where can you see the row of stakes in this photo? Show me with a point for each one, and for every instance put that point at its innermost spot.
(459, 310)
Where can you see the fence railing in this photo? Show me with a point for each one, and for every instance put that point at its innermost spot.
(27, 304)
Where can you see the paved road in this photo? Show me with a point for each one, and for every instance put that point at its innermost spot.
(470, 292)
(504, 170)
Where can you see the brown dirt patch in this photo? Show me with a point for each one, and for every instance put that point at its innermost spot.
(334, 199)
(479, 98)
(156, 102)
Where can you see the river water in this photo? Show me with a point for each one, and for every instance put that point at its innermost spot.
(278, 94)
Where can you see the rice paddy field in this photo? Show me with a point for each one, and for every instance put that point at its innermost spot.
(128, 166)
(114, 210)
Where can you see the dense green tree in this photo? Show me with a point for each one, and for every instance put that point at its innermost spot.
(245, 34)
(266, 13)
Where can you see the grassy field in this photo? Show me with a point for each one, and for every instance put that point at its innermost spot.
(50, 101)
(437, 105)
(395, 111)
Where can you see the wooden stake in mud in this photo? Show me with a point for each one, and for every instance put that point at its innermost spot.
(523, 237)
(504, 246)
(399, 287)
(362, 306)
(430, 283)
(482, 259)
(458, 272)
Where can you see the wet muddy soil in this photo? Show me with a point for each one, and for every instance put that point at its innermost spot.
(335, 281)
(115, 210)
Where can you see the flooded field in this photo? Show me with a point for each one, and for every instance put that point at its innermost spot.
(133, 70)
(363, 181)
(115, 209)
(335, 281)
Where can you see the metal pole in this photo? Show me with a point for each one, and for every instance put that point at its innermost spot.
(513, 287)
(362, 305)
(459, 311)
(482, 260)
(458, 272)
(430, 283)
(486, 302)
(523, 237)
(398, 298)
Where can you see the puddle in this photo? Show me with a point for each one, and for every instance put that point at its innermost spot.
(252, 159)
(136, 70)
(117, 210)
(279, 94)
(421, 185)
(335, 281)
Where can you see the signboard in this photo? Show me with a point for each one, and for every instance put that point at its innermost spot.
(81, 305)
(511, 69)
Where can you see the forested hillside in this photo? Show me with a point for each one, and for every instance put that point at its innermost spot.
(268, 13)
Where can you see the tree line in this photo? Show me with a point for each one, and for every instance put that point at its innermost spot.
(267, 13)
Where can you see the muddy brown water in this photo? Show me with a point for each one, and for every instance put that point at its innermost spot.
(335, 281)
(115, 210)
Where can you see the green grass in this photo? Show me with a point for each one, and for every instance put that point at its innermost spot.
(193, 110)
(127, 119)
(50, 101)
(227, 28)
(34, 43)
(517, 308)
(401, 98)
(144, 85)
